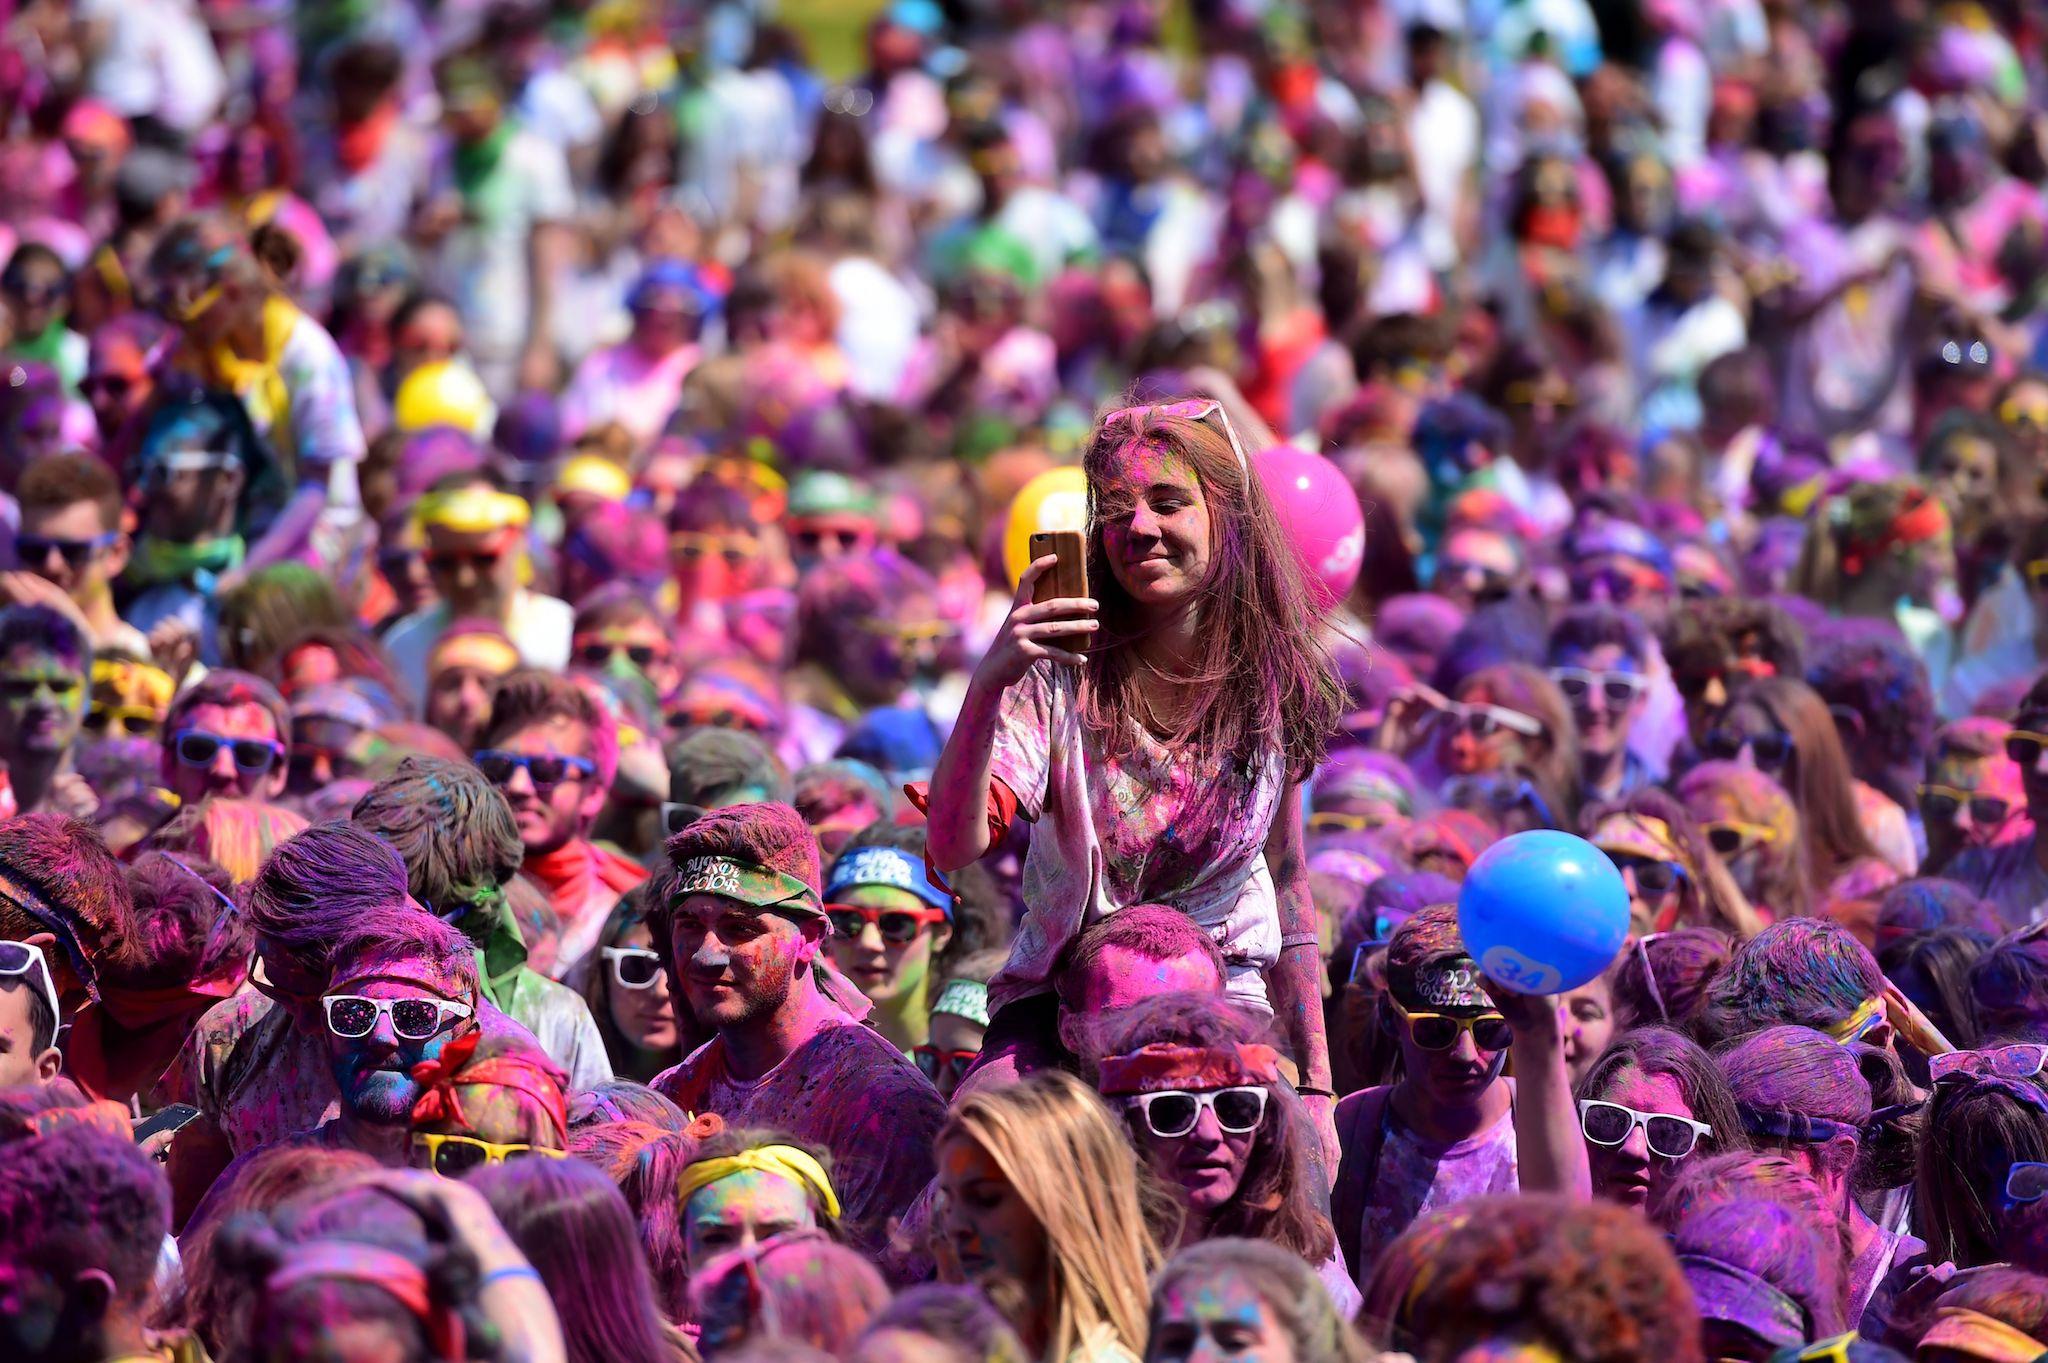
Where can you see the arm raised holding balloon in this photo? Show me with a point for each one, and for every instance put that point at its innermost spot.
(1550, 1154)
(1543, 912)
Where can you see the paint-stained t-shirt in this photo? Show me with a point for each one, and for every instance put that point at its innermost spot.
(846, 1089)
(2008, 875)
(1149, 827)
(258, 1077)
(1414, 1177)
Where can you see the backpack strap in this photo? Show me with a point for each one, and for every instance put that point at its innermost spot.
(1359, 1123)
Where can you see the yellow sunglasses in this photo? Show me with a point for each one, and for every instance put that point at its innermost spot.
(1329, 819)
(2019, 414)
(1733, 837)
(923, 631)
(455, 1156)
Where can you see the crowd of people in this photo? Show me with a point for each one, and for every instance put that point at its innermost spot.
(553, 809)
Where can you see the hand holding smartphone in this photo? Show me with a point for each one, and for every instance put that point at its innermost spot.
(1068, 578)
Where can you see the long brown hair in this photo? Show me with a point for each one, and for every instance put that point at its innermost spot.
(1821, 783)
(1553, 754)
(1263, 680)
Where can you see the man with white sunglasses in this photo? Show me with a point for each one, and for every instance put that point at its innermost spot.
(28, 1017)
(460, 846)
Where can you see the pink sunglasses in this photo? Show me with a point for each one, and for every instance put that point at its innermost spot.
(1188, 409)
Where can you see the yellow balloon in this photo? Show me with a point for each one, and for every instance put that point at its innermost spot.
(1055, 500)
(444, 393)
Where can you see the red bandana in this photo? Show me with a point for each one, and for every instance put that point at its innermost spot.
(1153, 1069)
(456, 1067)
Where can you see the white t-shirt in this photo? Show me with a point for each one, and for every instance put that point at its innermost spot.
(483, 265)
(157, 59)
(539, 628)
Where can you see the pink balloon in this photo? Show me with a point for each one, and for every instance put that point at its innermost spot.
(1320, 514)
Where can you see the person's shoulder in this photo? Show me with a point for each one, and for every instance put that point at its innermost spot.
(688, 1072)
(855, 1046)
(234, 1016)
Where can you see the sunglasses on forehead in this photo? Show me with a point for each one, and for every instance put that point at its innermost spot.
(1189, 409)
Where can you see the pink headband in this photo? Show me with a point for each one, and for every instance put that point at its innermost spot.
(1158, 1067)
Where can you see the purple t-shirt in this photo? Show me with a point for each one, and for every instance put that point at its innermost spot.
(1414, 1177)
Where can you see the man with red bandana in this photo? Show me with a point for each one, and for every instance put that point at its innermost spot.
(553, 752)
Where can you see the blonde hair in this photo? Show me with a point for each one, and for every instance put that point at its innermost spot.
(1062, 1151)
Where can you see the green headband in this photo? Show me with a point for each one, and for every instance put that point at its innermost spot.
(761, 886)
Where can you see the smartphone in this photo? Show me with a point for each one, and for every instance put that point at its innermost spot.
(172, 1118)
(1069, 577)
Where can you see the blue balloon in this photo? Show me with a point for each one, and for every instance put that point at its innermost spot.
(1543, 911)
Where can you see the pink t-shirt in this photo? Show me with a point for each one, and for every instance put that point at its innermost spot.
(622, 384)
(1149, 827)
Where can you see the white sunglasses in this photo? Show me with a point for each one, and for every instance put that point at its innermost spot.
(23, 959)
(1174, 1112)
(633, 967)
(353, 1016)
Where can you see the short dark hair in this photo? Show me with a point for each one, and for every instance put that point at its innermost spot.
(66, 478)
(64, 863)
(530, 697)
(1595, 625)
(47, 630)
(318, 883)
(80, 1200)
(450, 826)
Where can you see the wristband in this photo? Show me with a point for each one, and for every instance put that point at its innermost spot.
(1300, 939)
(511, 1271)
(1305, 1091)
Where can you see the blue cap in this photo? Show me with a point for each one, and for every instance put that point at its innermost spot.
(888, 866)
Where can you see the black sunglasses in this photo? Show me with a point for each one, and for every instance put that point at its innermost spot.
(1771, 751)
(1986, 811)
(896, 927)
(35, 549)
(196, 748)
(547, 770)
(1654, 878)
(599, 655)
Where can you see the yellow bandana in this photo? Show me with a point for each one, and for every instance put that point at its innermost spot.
(783, 1161)
(472, 510)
